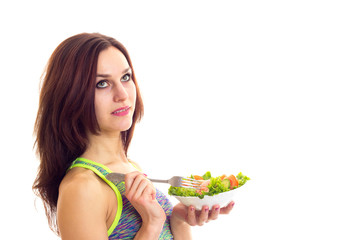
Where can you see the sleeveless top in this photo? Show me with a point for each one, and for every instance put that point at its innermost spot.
(127, 221)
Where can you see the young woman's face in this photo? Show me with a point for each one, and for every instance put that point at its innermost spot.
(115, 92)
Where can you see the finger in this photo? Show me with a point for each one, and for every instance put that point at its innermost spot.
(214, 213)
(129, 178)
(131, 183)
(149, 190)
(204, 215)
(191, 216)
(228, 208)
(140, 187)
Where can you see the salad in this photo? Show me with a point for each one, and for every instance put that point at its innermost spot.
(210, 186)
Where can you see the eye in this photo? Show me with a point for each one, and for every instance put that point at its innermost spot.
(102, 84)
(126, 78)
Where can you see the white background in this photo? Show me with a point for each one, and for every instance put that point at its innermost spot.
(269, 88)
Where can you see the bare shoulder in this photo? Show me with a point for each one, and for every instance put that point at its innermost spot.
(81, 208)
(135, 164)
(77, 177)
(80, 184)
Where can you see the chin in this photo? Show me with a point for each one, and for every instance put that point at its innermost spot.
(125, 127)
(117, 126)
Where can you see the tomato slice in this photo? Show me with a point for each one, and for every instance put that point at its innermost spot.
(197, 177)
(223, 176)
(233, 181)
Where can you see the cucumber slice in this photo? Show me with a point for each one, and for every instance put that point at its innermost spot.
(226, 183)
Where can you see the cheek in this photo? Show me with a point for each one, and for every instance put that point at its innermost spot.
(132, 92)
(99, 106)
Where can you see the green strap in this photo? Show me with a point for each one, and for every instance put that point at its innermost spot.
(112, 185)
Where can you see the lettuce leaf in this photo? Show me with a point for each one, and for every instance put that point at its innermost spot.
(206, 176)
(184, 192)
(242, 179)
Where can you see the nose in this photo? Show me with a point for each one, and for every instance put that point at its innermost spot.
(120, 93)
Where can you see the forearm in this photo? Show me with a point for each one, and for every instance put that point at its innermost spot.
(181, 230)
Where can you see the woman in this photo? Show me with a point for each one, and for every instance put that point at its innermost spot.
(89, 104)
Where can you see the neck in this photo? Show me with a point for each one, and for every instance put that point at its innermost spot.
(105, 149)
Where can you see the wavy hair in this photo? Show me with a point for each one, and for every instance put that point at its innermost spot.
(66, 112)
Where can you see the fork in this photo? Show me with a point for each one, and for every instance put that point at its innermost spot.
(175, 181)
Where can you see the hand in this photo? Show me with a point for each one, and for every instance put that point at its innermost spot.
(142, 195)
(198, 218)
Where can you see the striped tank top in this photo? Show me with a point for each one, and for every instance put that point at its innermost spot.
(127, 221)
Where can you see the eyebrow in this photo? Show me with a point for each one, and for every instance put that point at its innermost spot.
(127, 70)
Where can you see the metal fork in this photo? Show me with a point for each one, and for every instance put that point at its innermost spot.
(175, 181)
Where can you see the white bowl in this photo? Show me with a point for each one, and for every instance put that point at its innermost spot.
(222, 199)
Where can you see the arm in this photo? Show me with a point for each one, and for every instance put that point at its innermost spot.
(142, 195)
(180, 229)
(81, 209)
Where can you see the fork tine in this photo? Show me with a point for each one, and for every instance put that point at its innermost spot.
(190, 183)
(191, 187)
(190, 180)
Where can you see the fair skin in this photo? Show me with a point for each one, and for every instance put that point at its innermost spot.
(91, 215)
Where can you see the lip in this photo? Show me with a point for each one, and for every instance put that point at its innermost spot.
(121, 111)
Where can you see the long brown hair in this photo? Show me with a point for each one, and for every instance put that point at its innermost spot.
(66, 112)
